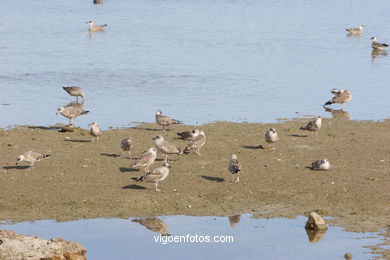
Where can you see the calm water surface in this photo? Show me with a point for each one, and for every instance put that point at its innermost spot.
(195, 60)
(252, 238)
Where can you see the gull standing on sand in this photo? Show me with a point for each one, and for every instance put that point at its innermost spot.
(75, 92)
(165, 120)
(271, 136)
(196, 143)
(356, 31)
(157, 175)
(235, 168)
(314, 125)
(146, 159)
(166, 147)
(377, 45)
(95, 131)
(321, 165)
(188, 135)
(126, 145)
(341, 96)
(96, 28)
(71, 112)
(31, 157)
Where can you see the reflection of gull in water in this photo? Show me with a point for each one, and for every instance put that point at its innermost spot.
(234, 220)
(75, 91)
(154, 224)
(375, 53)
(339, 113)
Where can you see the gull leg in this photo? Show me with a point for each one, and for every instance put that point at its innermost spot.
(233, 179)
(157, 189)
(129, 154)
(146, 168)
(31, 166)
(166, 157)
(238, 177)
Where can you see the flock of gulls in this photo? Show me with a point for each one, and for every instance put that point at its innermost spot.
(196, 140)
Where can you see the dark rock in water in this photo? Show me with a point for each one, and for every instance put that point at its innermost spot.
(316, 222)
(16, 246)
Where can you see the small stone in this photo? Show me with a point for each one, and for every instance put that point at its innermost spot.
(189, 206)
(67, 138)
(315, 222)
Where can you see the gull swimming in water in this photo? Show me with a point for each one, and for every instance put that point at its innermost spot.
(157, 175)
(126, 145)
(271, 136)
(95, 131)
(197, 143)
(166, 147)
(341, 96)
(75, 92)
(321, 165)
(71, 112)
(31, 157)
(154, 224)
(146, 159)
(314, 125)
(377, 45)
(96, 28)
(235, 168)
(188, 135)
(356, 31)
(165, 120)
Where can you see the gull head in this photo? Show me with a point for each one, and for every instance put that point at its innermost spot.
(234, 157)
(59, 110)
(167, 165)
(90, 22)
(19, 159)
(273, 130)
(159, 137)
(92, 124)
(361, 26)
(158, 112)
(373, 38)
(152, 150)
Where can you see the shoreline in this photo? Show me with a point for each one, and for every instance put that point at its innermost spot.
(91, 180)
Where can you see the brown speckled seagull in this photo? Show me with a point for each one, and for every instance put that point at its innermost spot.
(165, 120)
(95, 131)
(196, 143)
(146, 159)
(96, 28)
(71, 112)
(341, 96)
(314, 125)
(321, 165)
(377, 45)
(157, 175)
(126, 145)
(235, 168)
(271, 136)
(188, 135)
(356, 31)
(165, 147)
(31, 157)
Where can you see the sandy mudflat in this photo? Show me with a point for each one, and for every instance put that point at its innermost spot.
(89, 180)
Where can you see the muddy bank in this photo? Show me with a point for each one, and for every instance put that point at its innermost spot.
(89, 180)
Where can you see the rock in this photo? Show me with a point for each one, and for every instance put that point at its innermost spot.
(16, 246)
(316, 222)
(348, 256)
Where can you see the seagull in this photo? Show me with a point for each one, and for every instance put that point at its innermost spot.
(196, 143)
(321, 165)
(71, 112)
(314, 125)
(154, 224)
(31, 157)
(146, 159)
(95, 131)
(234, 220)
(271, 136)
(188, 135)
(341, 96)
(126, 145)
(357, 30)
(235, 168)
(96, 28)
(157, 175)
(165, 120)
(377, 45)
(75, 92)
(165, 147)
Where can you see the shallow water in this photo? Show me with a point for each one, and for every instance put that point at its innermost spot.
(252, 238)
(195, 60)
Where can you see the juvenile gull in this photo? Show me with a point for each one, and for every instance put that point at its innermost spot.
(341, 96)
(235, 168)
(154, 224)
(271, 136)
(157, 175)
(377, 45)
(126, 145)
(75, 92)
(357, 30)
(188, 135)
(314, 125)
(146, 159)
(196, 143)
(71, 112)
(321, 165)
(165, 120)
(95, 131)
(166, 147)
(31, 157)
(96, 28)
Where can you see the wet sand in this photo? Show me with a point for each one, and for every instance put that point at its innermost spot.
(90, 180)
